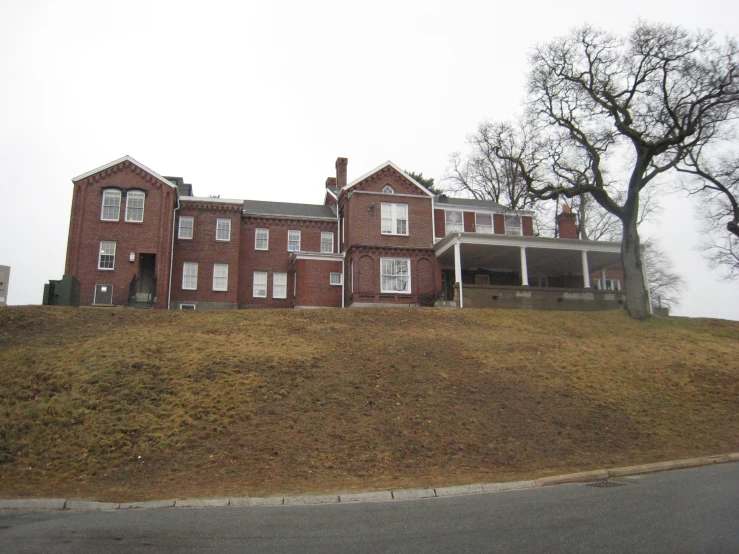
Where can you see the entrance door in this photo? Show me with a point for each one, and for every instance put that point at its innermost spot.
(147, 282)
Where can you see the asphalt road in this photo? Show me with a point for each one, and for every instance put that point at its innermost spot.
(695, 510)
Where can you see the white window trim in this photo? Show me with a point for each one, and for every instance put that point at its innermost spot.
(102, 208)
(95, 297)
(324, 233)
(131, 194)
(218, 221)
(184, 265)
(394, 219)
(410, 287)
(288, 240)
(254, 284)
(492, 223)
(519, 229)
(275, 285)
(256, 239)
(189, 306)
(100, 255)
(225, 288)
(192, 227)
(331, 279)
(446, 223)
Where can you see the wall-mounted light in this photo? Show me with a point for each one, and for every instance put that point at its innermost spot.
(132, 257)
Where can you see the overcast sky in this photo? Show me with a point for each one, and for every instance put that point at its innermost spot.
(257, 100)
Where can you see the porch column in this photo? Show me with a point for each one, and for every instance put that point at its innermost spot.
(524, 268)
(603, 279)
(585, 270)
(458, 271)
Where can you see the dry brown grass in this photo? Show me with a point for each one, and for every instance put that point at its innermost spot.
(123, 404)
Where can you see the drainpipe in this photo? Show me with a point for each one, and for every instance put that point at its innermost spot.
(171, 251)
(341, 251)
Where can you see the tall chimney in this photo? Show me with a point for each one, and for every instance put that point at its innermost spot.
(567, 223)
(341, 164)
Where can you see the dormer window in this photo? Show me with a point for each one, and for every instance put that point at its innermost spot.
(387, 189)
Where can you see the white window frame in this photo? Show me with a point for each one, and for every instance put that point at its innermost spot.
(610, 284)
(325, 248)
(335, 278)
(280, 293)
(260, 292)
(291, 234)
(483, 227)
(393, 275)
(180, 234)
(112, 193)
(264, 239)
(131, 196)
(223, 229)
(516, 231)
(95, 297)
(391, 220)
(220, 282)
(190, 278)
(453, 227)
(101, 253)
(387, 189)
(189, 306)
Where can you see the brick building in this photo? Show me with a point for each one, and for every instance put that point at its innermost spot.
(138, 238)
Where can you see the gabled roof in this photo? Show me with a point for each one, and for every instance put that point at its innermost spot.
(116, 162)
(383, 166)
(288, 209)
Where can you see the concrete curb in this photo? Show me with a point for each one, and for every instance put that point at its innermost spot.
(380, 496)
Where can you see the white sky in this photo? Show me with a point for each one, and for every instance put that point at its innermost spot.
(257, 100)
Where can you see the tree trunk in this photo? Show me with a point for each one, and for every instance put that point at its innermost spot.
(631, 260)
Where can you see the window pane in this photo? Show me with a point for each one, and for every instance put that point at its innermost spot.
(223, 229)
(107, 255)
(186, 227)
(220, 277)
(261, 241)
(395, 275)
(260, 284)
(484, 223)
(394, 219)
(335, 278)
(293, 241)
(512, 224)
(327, 242)
(111, 205)
(189, 276)
(135, 206)
(279, 285)
(454, 222)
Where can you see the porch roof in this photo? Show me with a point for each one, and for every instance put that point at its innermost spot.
(545, 256)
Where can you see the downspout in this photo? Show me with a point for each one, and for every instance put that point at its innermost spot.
(341, 248)
(171, 251)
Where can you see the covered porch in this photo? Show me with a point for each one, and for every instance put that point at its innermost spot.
(487, 271)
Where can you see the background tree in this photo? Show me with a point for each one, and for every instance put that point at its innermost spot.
(427, 182)
(607, 116)
(665, 283)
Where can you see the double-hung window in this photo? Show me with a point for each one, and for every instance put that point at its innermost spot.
(223, 229)
(293, 241)
(513, 224)
(327, 242)
(261, 239)
(260, 284)
(454, 222)
(484, 223)
(111, 205)
(279, 285)
(608, 284)
(395, 275)
(394, 218)
(189, 276)
(220, 277)
(135, 205)
(106, 259)
(187, 222)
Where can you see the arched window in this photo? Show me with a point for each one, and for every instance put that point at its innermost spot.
(387, 189)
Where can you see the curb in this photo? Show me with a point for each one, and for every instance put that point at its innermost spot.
(380, 496)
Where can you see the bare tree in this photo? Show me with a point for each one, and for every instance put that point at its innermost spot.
(665, 284)
(608, 116)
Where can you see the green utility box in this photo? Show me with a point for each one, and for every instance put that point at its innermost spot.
(65, 292)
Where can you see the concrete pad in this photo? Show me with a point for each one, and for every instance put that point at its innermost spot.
(456, 491)
(147, 505)
(301, 500)
(90, 506)
(33, 504)
(201, 503)
(381, 496)
(512, 486)
(249, 501)
(582, 477)
(413, 494)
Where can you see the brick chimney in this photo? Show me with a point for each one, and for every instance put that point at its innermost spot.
(341, 164)
(331, 183)
(567, 223)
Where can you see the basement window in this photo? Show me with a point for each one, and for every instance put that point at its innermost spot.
(103, 295)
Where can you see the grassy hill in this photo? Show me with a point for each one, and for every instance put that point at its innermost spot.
(132, 405)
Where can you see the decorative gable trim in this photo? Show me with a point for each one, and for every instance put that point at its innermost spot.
(126, 162)
(380, 168)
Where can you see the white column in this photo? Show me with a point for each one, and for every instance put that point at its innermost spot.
(602, 279)
(585, 270)
(458, 271)
(524, 268)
